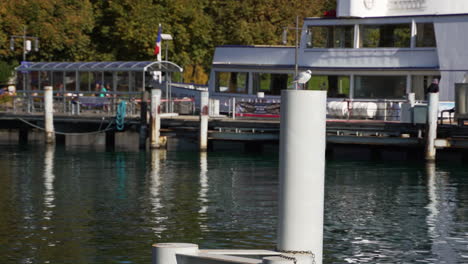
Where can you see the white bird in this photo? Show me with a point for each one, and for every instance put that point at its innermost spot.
(303, 77)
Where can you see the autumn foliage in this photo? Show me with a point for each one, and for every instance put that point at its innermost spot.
(94, 30)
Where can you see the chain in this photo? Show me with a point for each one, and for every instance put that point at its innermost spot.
(289, 258)
(307, 252)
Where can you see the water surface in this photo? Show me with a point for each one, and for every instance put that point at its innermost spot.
(79, 205)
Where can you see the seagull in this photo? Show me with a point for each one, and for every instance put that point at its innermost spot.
(303, 77)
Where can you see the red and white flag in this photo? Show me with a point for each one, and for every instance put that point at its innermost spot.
(157, 46)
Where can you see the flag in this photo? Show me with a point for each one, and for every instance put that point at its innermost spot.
(157, 46)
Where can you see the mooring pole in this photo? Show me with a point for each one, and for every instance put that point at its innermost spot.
(204, 116)
(143, 120)
(301, 174)
(165, 253)
(431, 128)
(49, 115)
(155, 118)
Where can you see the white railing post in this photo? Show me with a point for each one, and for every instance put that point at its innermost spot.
(301, 173)
(49, 115)
(204, 116)
(155, 118)
(431, 129)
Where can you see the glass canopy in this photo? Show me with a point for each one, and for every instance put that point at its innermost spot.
(108, 66)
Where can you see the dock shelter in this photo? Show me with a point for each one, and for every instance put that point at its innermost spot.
(119, 76)
(86, 81)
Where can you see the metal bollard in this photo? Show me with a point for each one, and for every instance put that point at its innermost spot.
(431, 128)
(155, 118)
(204, 116)
(302, 173)
(49, 115)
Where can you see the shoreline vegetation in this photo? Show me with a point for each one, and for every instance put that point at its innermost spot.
(96, 30)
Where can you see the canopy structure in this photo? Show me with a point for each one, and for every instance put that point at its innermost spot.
(117, 76)
(101, 66)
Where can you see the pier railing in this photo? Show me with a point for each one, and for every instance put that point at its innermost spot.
(88, 103)
(350, 109)
(381, 109)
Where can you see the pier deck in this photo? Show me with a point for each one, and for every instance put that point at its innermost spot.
(349, 132)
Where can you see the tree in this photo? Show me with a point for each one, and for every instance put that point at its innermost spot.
(84, 30)
(63, 27)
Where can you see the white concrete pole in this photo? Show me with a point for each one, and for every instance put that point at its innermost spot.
(155, 118)
(412, 99)
(302, 169)
(165, 253)
(233, 108)
(431, 129)
(49, 115)
(204, 116)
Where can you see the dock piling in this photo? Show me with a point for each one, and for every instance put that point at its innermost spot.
(143, 121)
(110, 140)
(165, 253)
(431, 128)
(155, 118)
(301, 173)
(204, 116)
(49, 115)
(23, 136)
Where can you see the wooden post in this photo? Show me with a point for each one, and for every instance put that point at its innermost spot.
(143, 120)
(49, 115)
(155, 118)
(204, 116)
(431, 128)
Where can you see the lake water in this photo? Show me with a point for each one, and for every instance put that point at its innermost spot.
(82, 205)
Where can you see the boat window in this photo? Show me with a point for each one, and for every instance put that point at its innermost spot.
(336, 86)
(231, 82)
(425, 36)
(271, 83)
(419, 83)
(386, 36)
(380, 87)
(331, 37)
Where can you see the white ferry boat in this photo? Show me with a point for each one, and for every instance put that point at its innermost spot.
(372, 50)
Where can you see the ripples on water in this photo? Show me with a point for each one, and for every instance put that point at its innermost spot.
(81, 206)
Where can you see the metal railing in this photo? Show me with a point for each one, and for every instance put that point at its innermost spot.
(349, 109)
(87, 103)
(362, 109)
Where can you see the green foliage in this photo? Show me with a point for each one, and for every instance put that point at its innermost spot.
(94, 30)
(6, 71)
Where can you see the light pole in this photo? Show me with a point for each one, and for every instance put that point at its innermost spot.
(26, 47)
(168, 88)
(285, 41)
(26, 43)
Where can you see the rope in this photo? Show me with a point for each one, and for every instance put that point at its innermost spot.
(71, 134)
(120, 116)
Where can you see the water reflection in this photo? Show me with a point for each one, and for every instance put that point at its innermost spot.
(120, 165)
(49, 178)
(158, 156)
(108, 207)
(440, 217)
(203, 183)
